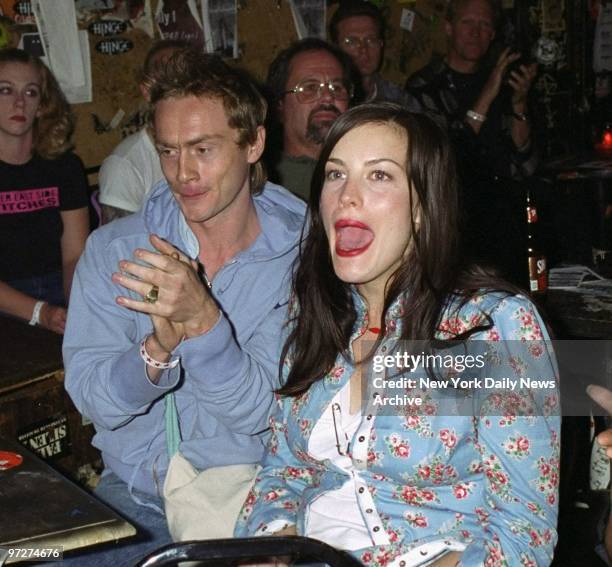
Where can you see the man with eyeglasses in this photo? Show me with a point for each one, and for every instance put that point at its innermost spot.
(311, 83)
(358, 27)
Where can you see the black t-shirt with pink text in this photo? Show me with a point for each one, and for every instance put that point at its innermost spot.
(31, 198)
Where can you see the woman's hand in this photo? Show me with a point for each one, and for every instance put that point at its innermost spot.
(17, 304)
(53, 318)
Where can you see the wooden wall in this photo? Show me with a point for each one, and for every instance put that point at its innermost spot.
(266, 26)
(115, 76)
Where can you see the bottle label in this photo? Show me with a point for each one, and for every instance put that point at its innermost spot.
(538, 275)
(532, 215)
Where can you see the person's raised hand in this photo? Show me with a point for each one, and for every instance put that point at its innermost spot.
(172, 292)
(496, 78)
(521, 80)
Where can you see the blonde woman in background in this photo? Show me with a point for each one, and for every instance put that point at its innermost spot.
(44, 219)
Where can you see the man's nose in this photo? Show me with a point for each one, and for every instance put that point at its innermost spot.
(478, 28)
(187, 169)
(326, 93)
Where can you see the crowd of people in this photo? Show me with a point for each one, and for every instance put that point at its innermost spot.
(221, 327)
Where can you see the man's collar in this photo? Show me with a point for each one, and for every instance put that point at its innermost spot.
(192, 246)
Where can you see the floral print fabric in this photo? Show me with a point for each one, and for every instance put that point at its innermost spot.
(487, 481)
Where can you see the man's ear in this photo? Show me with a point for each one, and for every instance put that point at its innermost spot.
(144, 91)
(256, 148)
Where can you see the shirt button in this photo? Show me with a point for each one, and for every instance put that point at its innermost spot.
(361, 490)
(423, 552)
(376, 528)
(361, 439)
(402, 564)
(369, 511)
(384, 349)
(375, 395)
(369, 417)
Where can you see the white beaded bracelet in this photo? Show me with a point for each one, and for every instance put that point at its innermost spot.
(150, 361)
(476, 116)
(35, 320)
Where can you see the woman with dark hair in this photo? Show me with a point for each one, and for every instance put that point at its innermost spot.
(397, 482)
(44, 220)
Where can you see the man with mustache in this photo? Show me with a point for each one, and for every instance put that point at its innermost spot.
(311, 84)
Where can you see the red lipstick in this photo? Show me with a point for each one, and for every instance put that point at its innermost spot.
(352, 237)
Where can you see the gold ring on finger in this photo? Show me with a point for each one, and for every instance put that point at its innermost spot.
(152, 295)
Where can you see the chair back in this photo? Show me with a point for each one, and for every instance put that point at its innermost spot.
(224, 551)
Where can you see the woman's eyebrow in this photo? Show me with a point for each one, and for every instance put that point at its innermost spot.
(379, 160)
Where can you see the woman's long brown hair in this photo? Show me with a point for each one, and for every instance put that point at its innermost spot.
(429, 274)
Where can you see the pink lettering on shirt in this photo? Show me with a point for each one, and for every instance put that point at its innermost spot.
(28, 201)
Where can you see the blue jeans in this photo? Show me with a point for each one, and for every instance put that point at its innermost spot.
(48, 287)
(152, 530)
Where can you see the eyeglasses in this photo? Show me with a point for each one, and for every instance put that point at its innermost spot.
(310, 90)
(354, 43)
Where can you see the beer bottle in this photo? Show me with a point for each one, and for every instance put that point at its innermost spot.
(536, 260)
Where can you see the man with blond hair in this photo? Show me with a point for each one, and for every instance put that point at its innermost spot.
(176, 322)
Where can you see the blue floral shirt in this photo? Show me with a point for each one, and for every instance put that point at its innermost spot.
(488, 480)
